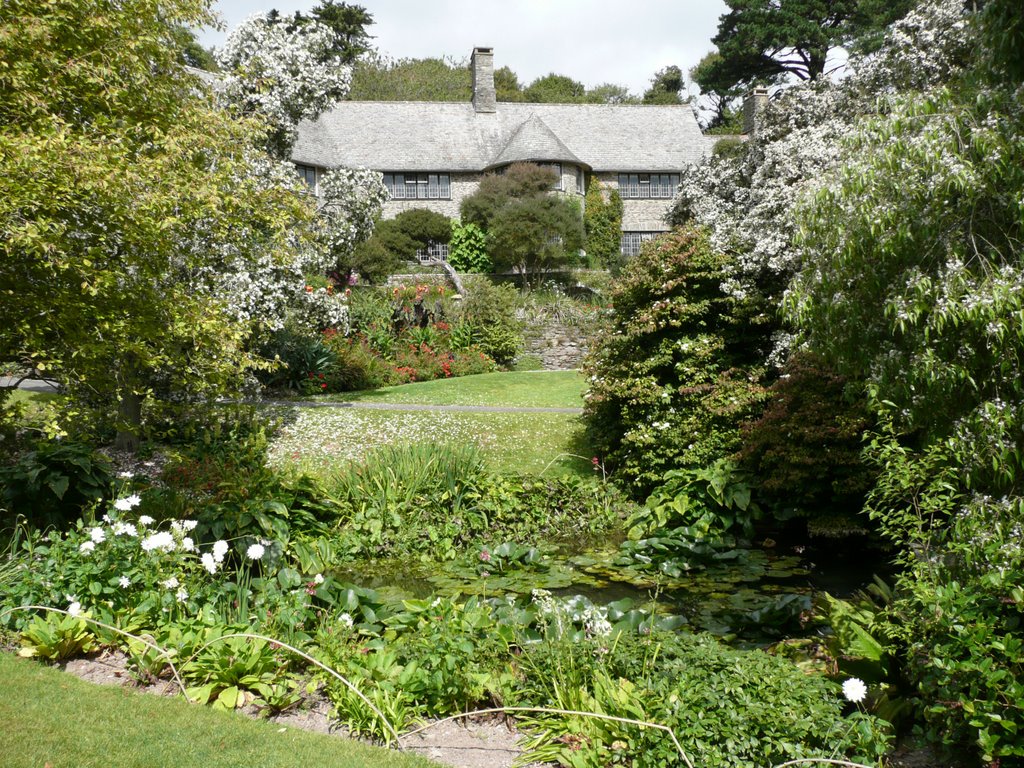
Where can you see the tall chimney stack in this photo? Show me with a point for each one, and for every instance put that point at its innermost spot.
(753, 104)
(485, 99)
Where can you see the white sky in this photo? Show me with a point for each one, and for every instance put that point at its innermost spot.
(594, 41)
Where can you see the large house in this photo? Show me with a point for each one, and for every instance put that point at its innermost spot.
(433, 154)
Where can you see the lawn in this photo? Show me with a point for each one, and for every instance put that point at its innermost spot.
(316, 439)
(516, 389)
(51, 718)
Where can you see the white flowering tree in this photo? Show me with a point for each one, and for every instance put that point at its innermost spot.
(285, 70)
(747, 197)
(913, 281)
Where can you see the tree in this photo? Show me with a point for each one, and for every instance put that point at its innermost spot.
(192, 53)
(125, 195)
(610, 93)
(506, 85)
(719, 103)
(349, 24)
(666, 87)
(284, 70)
(555, 89)
(602, 221)
(395, 241)
(762, 42)
(528, 228)
(377, 78)
(913, 285)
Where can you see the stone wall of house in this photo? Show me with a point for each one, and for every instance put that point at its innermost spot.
(462, 186)
(639, 215)
(560, 347)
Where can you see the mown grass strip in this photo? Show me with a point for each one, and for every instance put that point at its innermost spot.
(514, 389)
(52, 718)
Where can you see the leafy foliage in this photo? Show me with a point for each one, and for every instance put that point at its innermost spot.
(679, 373)
(467, 249)
(528, 229)
(602, 221)
(926, 215)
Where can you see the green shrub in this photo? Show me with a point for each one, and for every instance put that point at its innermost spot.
(727, 707)
(490, 311)
(602, 221)
(805, 449)
(55, 483)
(467, 249)
(680, 369)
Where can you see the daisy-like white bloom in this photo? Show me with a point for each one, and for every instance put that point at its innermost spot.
(188, 545)
(854, 690)
(125, 582)
(121, 529)
(318, 579)
(97, 535)
(107, 520)
(162, 541)
(345, 620)
(182, 595)
(220, 549)
(126, 475)
(189, 525)
(122, 505)
(75, 608)
(255, 551)
(86, 547)
(171, 583)
(209, 562)
(133, 501)
(145, 520)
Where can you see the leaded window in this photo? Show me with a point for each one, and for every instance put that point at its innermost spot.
(648, 186)
(433, 252)
(630, 243)
(418, 186)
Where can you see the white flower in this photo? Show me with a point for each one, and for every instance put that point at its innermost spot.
(318, 579)
(170, 583)
(97, 535)
(75, 608)
(163, 541)
(188, 545)
(209, 563)
(855, 690)
(124, 528)
(145, 520)
(220, 548)
(126, 475)
(127, 503)
(345, 620)
(182, 595)
(189, 525)
(86, 547)
(255, 551)
(125, 582)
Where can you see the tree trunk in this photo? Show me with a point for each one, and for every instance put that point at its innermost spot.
(129, 422)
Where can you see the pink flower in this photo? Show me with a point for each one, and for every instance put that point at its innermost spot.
(485, 555)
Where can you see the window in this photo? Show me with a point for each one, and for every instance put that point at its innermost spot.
(308, 174)
(647, 186)
(433, 252)
(581, 182)
(557, 168)
(631, 241)
(418, 186)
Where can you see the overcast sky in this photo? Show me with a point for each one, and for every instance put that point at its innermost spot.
(594, 41)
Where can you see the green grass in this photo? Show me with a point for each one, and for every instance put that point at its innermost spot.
(51, 718)
(318, 439)
(516, 389)
(29, 397)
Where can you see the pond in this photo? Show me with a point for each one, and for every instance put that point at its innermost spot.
(748, 595)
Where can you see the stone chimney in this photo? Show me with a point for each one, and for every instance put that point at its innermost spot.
(484, 96)
(753, 104)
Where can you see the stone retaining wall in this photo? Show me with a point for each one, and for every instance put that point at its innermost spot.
(560, 347)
